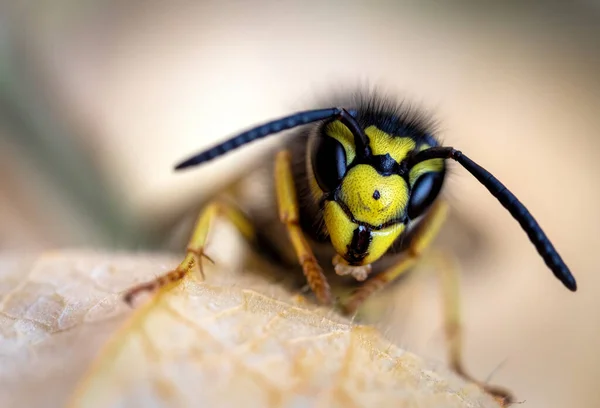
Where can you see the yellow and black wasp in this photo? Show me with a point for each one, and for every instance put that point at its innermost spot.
(356, 187)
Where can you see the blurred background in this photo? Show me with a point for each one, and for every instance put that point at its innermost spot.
(99, 99)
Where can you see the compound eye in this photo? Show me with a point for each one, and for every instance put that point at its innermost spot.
(328, 159)
(426, 189)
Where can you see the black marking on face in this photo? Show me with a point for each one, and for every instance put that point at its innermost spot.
(383, 163)
(358, 249)
(376, 195)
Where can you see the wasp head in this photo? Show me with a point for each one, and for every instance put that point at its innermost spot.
(368, 193)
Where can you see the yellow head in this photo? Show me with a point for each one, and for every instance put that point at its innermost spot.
(369, 198)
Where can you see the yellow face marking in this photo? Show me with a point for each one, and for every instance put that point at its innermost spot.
(382, 240)
(358, 193)
(340, 228)
(341, 231)
(342, 134)
(383, 143)
(435, 165)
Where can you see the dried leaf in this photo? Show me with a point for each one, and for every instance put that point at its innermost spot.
(231, 341)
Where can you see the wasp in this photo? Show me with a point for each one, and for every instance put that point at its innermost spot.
(357, 189)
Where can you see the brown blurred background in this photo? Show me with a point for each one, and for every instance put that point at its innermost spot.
(98, 100)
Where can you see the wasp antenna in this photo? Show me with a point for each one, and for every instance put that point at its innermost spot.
(275, 126)
(360, 139)
(511, 203)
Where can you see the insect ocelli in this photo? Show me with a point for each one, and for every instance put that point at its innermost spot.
(371, 173)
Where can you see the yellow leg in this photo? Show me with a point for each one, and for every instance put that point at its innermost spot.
(195, 247)
(426, 233)
(449, 278)
(288, 214)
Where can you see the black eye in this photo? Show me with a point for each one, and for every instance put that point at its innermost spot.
(328, 159)
(423, 193)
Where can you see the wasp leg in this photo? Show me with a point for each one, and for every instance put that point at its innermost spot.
(196, 244)
(449, 279)
(288, 214)
(420, 241)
